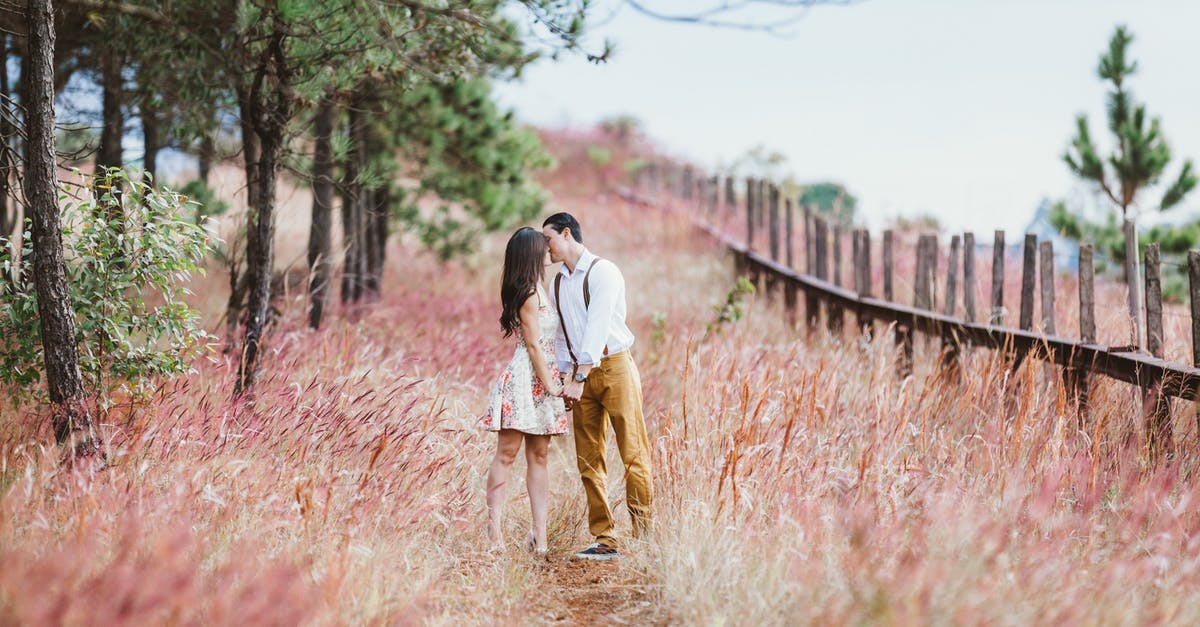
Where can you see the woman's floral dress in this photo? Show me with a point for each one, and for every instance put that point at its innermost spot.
(519, 401)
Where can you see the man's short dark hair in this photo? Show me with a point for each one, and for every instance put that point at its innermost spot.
(563, 220)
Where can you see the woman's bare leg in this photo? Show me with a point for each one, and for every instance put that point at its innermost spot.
(508, 442)
(537, 479)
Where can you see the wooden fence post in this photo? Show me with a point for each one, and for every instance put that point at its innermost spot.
(997, 316)
(789, 287)
(1028, 271)
(760, 194)
(789, 225)
(969, 276)
(1047, 284)
(730, 199)
(834, 311)
(773, 224)
(1194, 290)
(821, 258)
(952, 277)
(750, 186)
(862, 273)
(1155, 405)
(1080, 380)
(889, 238)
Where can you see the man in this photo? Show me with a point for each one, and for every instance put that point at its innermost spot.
(602, 381)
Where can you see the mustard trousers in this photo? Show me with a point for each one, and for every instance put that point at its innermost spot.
(613, 393)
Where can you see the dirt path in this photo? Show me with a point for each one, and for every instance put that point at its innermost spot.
(581, 592)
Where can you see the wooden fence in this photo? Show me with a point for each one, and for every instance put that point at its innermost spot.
(765, 254)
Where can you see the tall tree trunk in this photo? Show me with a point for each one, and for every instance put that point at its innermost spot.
(207, 147)
(270, 110)
(8, 211)
(109, 153)
(238, 281)
(320, 236)
(260, 256)
(151, 138)
(352, 209)
(373, 230)
(71, 417)
(383, 201)
(1133, 281)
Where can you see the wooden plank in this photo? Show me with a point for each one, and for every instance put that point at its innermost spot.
(969, 285)
(1079, 381)
(789, 229)
(773, 223)
(952, 276)
(998, 279)
(1028, 269)
(889, 238)
(922, 289)
(865, 245)
(1194, 289)
(836, 243)
(812, 312)
(750, 187)
(1046, 249)
(1156, 406)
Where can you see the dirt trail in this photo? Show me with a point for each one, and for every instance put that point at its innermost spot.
(581, 592)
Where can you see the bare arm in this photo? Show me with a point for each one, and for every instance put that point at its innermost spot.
(531, 333)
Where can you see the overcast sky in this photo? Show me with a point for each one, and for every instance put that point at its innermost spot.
(959, 108)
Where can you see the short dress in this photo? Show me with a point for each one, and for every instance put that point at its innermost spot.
(519, 401)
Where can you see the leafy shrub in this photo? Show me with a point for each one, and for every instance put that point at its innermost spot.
(128, 256)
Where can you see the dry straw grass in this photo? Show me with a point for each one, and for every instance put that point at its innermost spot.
(798, 481)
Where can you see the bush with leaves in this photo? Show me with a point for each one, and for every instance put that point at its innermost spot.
(128, 254)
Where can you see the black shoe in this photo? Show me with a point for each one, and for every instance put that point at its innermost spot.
(598, 551)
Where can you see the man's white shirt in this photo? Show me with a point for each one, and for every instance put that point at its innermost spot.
(595, 327)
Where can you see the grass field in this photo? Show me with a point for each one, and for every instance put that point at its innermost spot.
(798, 481)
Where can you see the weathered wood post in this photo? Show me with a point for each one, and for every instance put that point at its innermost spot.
(1028, 271)
(820, 264)
(997, 316)
(1194, 290)
(1046, 281)
(969, 276)
(1078, 379)
(1156, 406)
(950, 348)
(833, 309)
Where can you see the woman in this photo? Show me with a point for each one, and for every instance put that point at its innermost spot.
(525, 403)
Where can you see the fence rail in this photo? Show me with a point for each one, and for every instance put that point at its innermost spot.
(1158, 378)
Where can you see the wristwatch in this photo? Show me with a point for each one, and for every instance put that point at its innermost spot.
(579, 377)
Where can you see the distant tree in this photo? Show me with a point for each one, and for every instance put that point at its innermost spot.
(831, 199)
(1139, 161)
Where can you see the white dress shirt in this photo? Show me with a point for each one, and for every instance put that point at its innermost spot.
(598, 326)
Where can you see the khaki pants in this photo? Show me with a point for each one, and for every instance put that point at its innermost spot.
(613, 392)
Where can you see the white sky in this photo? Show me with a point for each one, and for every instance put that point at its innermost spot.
(959, 108)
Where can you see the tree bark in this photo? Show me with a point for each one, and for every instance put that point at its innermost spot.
(1133, 282)
(320, 236)
(270, 110)
(109, 153)
(8, 211)
(71, 418)
(238, 281)
(151, 138)
(352, 220)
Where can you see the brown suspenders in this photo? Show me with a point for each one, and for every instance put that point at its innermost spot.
(587, 301)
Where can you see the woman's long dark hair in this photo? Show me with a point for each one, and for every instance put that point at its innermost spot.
(523, 270)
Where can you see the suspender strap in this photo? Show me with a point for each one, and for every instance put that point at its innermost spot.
(587, 302)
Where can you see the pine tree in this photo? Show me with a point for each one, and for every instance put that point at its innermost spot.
(1139, 160)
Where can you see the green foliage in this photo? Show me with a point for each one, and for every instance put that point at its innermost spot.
(204, 199)
(467, 152)
(1109, 242)
(831, 199)
(730, 311)
(599, 156)
(1139, 160)
(126, 276)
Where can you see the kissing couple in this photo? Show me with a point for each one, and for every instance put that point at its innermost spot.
(572, 354)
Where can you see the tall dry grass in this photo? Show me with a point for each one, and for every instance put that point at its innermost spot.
(798, 481)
